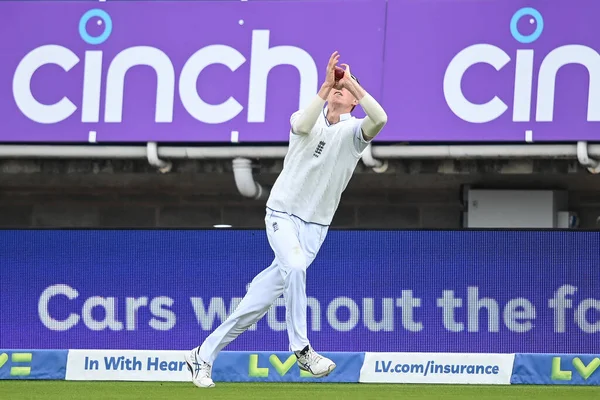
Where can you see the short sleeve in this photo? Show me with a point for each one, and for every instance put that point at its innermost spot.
(360, 144)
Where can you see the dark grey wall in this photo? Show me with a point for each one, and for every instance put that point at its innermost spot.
(415, 194)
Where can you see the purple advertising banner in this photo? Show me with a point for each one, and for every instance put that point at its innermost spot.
(508, 70)
(208, 71)
(228, 71)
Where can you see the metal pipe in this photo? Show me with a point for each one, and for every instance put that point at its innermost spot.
(567, 151)
(584, 159)
(119, 151)
(375, 164)
(75, 151)
(247, 186)
(223, 152)
(483, 151)
(152, 154)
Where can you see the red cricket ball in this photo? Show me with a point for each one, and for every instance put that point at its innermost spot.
(339, 73)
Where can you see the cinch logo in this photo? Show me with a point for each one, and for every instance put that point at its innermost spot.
(585, 371)
(498, 58)
(22, 361)
(282, 368)
(264, 58)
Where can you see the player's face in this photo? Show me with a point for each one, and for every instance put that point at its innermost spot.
(342, 99)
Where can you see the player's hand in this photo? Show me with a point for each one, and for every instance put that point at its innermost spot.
(330, 81)
(346, 80)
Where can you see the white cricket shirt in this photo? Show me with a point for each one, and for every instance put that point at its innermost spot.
(317, 169)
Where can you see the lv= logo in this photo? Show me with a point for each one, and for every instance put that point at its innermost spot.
(281, 367)
(17, 358)
(585, 371)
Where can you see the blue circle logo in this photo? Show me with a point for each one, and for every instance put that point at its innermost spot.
(104, 19)
(536, 18)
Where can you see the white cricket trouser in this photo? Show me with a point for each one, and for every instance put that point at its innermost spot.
(295, 244)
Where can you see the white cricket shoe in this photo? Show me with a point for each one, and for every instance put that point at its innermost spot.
(199, 369)
(311, 361)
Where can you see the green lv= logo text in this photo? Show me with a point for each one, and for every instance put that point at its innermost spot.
(282, 368)
(584, 370)
(21, 358)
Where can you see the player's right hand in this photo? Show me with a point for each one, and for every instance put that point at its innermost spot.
(330, 74)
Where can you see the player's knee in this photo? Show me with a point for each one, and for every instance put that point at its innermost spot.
(297, 269)
(297, 266)
(294, 262)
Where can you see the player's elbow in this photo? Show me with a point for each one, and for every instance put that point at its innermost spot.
(299, 129)
(380, 122)
(383, 118)
(301, 132)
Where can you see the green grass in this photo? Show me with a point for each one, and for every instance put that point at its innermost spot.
(62, 390)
